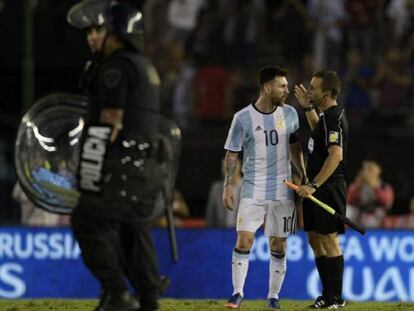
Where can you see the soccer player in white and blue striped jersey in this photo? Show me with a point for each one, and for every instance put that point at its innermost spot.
(266, 133)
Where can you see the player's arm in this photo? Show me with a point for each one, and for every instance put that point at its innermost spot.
(296, 155)
(230, 166)
(302, 97)
(229, 172)
(233, 146)
(297, 159)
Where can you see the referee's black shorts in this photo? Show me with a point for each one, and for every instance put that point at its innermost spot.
(315, 218)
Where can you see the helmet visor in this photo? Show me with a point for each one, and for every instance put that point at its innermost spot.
(87, 13)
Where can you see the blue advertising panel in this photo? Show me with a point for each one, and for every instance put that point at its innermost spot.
(46, 262)
(42, 262)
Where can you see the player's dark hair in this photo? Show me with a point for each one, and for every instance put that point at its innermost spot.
(330, 82)
(268, 73)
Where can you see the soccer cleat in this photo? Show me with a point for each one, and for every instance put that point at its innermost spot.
(331, 306)
(334, 304)
(340, 303)
(273, 304)
(234, 302)
(320, 303)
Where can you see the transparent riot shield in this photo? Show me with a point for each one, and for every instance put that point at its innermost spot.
(48, 148)
(47, 151)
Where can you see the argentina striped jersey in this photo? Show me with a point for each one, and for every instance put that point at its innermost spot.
(264, 139)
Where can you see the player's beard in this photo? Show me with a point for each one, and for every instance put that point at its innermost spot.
(279, 101)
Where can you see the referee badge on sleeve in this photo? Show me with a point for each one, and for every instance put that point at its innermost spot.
(333, 137)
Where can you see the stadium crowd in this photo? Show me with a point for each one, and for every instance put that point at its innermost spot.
(208, 53)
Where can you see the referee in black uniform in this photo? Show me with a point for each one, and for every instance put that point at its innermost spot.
(326, 172)
(109, 221)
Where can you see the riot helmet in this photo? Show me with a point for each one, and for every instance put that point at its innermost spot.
(87, 13)
(120, 19)
(126, 22)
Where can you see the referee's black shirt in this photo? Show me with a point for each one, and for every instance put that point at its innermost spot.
(331, 129)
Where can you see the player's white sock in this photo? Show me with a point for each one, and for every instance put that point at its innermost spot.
(277, 271)
(239, 267)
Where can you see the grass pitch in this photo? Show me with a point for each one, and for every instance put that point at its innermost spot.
(189, 305)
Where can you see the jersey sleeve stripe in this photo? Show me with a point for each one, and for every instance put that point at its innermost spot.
(234, 138)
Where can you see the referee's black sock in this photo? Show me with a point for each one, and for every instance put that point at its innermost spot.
(336, 265)
(321, 265)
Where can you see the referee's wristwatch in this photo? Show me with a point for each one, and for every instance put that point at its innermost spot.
(313, 184)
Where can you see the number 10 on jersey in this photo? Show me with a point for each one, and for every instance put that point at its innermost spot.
(271, 137)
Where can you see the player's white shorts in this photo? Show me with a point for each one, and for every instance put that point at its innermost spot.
(279, 217)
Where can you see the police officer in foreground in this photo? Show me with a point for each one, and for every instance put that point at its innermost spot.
(120, 171)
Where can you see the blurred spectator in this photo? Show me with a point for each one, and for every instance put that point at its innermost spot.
(155, 14)
(356, 77)
(290, 19)
(172, 67)
(180, 211)
(244, 89)
(327, 20)
(306, 69)
(206, 38)
(369, 198)
(392, 80)
(363, 26)
(216, 214)
(401, 16)
(212, 97)
(182, 17)
(181, 101)
(242, 27)
(30, 214)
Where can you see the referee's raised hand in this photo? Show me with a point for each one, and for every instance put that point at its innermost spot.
(301, 95)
